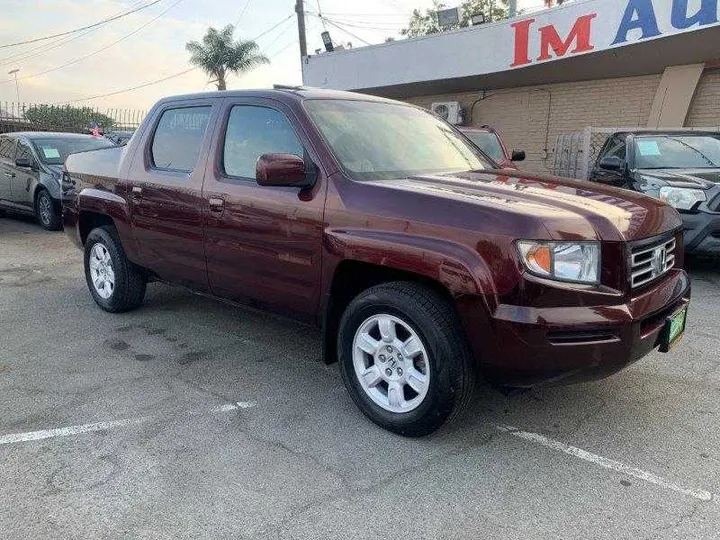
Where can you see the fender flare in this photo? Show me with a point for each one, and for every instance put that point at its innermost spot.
(456, 267)
(100, 201)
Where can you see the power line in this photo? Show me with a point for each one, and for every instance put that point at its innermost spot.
(281, 34)
(138, 87)
(98, 51)
(339, 27)
(320, 15)
(174, 75)
(99, 23)
(242, 13)
(30, 53)
(367, 25)
(272, 28)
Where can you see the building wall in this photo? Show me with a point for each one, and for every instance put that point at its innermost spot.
(521, 114)
(705, 107)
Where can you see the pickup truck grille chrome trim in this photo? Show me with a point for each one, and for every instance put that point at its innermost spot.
(647, 263)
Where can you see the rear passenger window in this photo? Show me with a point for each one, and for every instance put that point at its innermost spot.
(178, 137)
(253, 131)
(7, 148)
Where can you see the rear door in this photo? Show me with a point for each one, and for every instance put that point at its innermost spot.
(7, 161)
(263, 244)
(164, 191)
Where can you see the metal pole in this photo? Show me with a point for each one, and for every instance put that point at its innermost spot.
(300, 10)
(17, 88)
(512, 8)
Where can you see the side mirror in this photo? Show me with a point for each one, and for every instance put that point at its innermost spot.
(611, 163)
(281, 170)
(518, 155)
(24, 162)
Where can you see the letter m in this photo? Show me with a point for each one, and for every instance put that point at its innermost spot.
(579, 35)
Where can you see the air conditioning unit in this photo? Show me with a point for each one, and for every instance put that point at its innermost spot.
(448, 110)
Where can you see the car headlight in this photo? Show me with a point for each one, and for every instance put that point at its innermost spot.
(682, 198)
(563, 261)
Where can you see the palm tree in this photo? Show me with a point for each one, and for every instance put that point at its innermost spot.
(219, 53)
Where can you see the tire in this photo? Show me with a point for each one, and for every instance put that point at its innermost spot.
(45, 211)
(123, 283)
(423, 404)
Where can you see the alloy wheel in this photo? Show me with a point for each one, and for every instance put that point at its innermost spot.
(391, 363)
(101, 271)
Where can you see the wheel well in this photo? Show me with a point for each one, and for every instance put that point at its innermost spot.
(92, 220)
(37, 191)
(350, 279)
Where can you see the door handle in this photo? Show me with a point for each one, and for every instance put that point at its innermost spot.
(216, 204)
(10, 175)
(137, 192)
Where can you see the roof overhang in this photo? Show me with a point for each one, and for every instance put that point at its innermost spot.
(597, 39)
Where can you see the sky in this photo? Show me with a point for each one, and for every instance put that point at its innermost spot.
(156, 47)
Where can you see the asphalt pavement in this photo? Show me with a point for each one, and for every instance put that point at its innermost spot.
(190, 418)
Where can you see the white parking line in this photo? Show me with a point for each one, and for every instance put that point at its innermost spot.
(606, 463)
(101, 426)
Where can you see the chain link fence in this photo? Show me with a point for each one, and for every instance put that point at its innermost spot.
(66, 118)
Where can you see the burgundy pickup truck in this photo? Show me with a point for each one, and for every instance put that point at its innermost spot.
(384, 226)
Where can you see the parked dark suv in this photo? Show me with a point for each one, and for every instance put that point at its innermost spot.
(31, 171)
(681, 168)
(386, 227)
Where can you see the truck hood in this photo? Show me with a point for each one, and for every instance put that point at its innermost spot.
(567, 209)
(693, 178)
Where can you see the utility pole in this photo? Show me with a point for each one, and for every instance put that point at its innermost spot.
(300, 10)
(512, 8)
(17, 88)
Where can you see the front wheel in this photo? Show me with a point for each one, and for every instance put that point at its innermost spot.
(404, 359)
(45, 211)
(115, 283)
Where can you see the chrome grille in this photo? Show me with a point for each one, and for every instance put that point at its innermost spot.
(649, 262)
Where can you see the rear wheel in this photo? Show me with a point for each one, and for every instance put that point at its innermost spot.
(115, 283)
(45, 211)
(403, 358)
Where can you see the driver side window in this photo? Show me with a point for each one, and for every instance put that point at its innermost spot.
(253, 131)
(615, 147)
(23, 151)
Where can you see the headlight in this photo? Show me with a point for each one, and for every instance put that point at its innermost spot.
(682, 198)
(563, 261)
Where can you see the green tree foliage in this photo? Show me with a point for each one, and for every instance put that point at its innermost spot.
(421, 24)
(66, 118)
(219, 53)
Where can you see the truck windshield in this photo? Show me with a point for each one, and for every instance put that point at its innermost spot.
(375, 140)
(55, 150)
(677, 152)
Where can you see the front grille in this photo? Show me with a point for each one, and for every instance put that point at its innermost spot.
(649, 262)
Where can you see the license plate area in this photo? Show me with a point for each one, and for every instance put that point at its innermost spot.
(673, 330)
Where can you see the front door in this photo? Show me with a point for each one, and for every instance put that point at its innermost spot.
(25, 178)
(617, 147)
(263, 244)
(164, 191)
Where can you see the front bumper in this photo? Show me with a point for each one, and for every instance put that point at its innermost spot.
(702, 233)
(525, 346)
